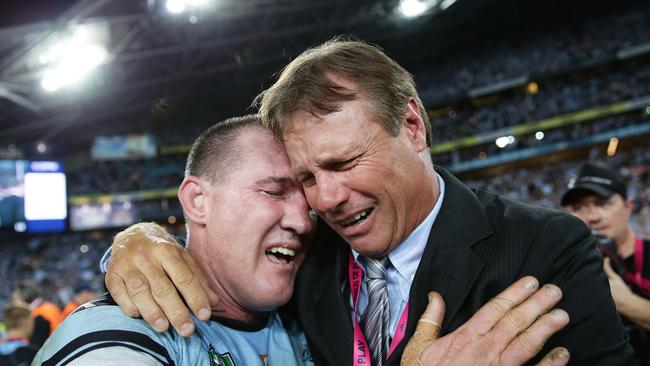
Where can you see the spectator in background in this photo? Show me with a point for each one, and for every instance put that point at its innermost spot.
(17, 349)
(46, 314)
(83, 293)
(598, 196)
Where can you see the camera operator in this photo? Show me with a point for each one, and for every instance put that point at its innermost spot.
(598, 196)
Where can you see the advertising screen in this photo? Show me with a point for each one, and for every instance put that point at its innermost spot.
(32, 196)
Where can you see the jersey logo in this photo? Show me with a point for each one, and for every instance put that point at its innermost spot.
(220, 359)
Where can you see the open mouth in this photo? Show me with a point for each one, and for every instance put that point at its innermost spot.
(359, 217)
(281, 255)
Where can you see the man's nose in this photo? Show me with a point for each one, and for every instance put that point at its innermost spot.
(330, 193)
(296, 216)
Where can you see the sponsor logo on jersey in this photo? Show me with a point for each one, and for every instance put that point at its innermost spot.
(220, 359)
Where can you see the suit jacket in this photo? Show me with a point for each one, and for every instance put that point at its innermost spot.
(479, 244)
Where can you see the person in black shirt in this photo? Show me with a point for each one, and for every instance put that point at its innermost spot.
(598, 196)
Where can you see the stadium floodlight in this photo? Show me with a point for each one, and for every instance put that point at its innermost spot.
(72, 66)
(20, 227)
(502, 142)
(180, 6)
(196, 3)
(41, 147)
(70, 60)
(413, 8)
(175, 6)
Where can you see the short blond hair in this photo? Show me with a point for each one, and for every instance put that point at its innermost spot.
(214, 154)
(304, 84)
(14, 316)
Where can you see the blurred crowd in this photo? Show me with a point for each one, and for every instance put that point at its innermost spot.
(127, 175)
(571, 132)
(544, 51)
(551, 98)
(45, 278)
(48, 261)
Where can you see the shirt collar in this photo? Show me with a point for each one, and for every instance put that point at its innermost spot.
(411, 250)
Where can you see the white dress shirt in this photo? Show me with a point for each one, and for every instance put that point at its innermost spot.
(404, 262)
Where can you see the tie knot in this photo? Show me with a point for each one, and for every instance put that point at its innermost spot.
(376, 268)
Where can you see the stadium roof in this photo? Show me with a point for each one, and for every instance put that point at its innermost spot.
(213, 59)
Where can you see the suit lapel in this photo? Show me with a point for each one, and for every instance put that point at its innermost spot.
(330, 309)
(448, 265)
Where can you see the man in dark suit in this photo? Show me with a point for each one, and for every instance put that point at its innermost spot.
(358, 139)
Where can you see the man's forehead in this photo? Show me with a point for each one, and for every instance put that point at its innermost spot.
(262, 158)
(284, 180)
(314, 138)
(310, 113)
(352, 112)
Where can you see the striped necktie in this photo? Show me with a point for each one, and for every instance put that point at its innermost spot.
(376, 320)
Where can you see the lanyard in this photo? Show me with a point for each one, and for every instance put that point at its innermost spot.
(361, 352)
(637, 277)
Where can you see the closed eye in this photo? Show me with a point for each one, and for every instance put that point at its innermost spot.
(307, 180)
(344, 165)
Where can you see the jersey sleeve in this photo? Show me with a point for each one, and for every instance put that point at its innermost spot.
(103, 335)
(116, 356)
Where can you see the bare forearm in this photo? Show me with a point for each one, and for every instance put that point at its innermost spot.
(636, 309)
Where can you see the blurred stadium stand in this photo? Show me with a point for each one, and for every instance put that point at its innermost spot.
(558, 82)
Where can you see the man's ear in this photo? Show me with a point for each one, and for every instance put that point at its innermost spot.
(193, 195)
(414, 126)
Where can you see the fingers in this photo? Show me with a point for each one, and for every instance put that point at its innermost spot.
(189, 281)
(427, 330)
(428, 327)
(117, 289)
(492, 312)
(522, 316)
(528, 344)
(139, 283)
(159, 300)
(557, 357)
(510, 329)
(141, 295)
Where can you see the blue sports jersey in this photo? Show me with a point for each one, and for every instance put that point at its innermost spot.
(100, 334)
